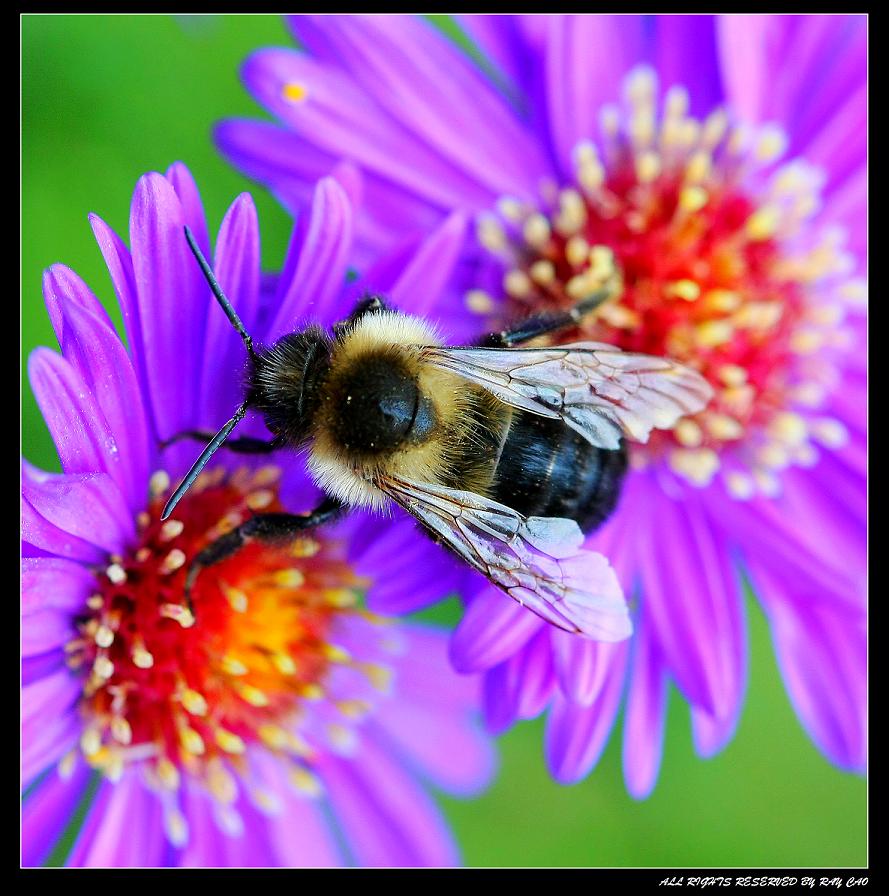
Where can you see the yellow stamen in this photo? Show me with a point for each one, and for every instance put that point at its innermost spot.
(688, 433)
(517, 283)
(171, 529)
(479, 301)
(236, 598)
(191, 741)
(698, 465)
(178, 613)
(158, 483)
(173, 561)
(194, 702)
(116, 574)
(305, 782)
(104, 637)
(260, 499)
(295, 92)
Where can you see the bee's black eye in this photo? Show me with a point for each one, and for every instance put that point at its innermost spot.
(378, 407)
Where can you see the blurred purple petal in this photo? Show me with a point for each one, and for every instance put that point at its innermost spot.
(91, 345)
(646, 711)
(318, 258)
(236, 265)
(493, 627)
(174, 302)
(47, 812)
(520, 688)
(55, 583)
(120, 268)
(573, 99)
(386, 818)
(78, 427)
(101, 843)
(576, 735)
(822, 653)
(192, 208)
(398, 60)
(89, 507)
(336, 115)
(692, 598)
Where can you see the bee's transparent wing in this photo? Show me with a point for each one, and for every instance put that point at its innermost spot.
(539, 561)
(597, 389)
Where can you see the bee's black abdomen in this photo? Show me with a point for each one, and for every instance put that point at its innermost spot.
(547, 469)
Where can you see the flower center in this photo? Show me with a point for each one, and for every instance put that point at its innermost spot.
(720, 270)
(188, 693)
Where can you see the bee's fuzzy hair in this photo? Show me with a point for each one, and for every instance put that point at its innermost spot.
(458, 411)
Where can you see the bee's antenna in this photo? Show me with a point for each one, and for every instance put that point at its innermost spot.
(201, 462)
(230, 312)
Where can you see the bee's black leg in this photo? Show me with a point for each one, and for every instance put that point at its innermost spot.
(269, 528)
(547, 321)
(366, 305)
(243, 445)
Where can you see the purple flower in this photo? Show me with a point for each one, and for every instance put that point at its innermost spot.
(655, 143)
(285, 725)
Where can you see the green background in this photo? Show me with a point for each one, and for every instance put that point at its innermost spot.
(106, 98)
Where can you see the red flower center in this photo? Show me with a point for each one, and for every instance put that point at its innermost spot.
(716, 268)
(190, 692)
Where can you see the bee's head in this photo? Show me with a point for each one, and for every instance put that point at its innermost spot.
(285, 382)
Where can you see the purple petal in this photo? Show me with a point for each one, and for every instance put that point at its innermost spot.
(46, 813)
(79, 429)
(49, 744)
(408, 571)
(399, 60)
(521, 687)
(821, 648)
(45, 538)
(493, 628)
(820, 99)
(236, 265)
(692, 598)
(421, 281)
(192, 209)
(336, 115)
(126, 806)
(90, 507)
(318, 259)
(50, 726)
(91, 345)
(290, 166)
(120, 267)
(428, 720)
(503, 41)
(42, 665)
(315, 847)
(686, 53)
(646, 712)
(576, 735)
(574, 93)
(387, 819)
(763, 529)
(174, 302)
(54, 583)
(582, 666)
(46, 629)
(60, 281)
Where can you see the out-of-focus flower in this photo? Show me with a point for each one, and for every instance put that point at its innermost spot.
(654, 143)
(280, 723)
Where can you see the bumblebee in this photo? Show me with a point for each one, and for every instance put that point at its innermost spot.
(506, 455)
